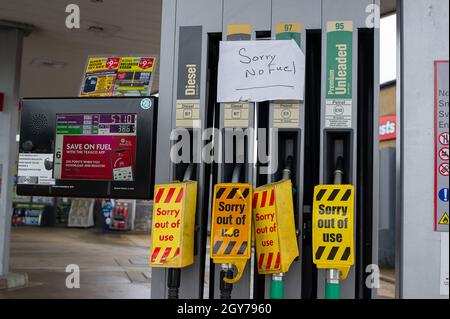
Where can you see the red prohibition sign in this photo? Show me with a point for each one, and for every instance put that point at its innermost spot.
(443, 169)
(443, 154)
(444, 139)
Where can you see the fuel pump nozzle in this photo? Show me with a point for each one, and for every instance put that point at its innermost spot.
(288, 168)
(277, 282)
(339, 170)
(226, 288)
(227, 269)
(332, 287)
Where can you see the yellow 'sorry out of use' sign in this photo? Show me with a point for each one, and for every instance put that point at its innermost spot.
(333, 227)
(231, 226)
(173, 225)
(275, 236)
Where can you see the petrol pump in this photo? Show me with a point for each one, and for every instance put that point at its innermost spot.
(186, 110)
(236, 150)
(277, 219)
(305, 138)
(348, 140)
(293, 128)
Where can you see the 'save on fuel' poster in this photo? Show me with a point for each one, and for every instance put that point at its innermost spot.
(95, 147)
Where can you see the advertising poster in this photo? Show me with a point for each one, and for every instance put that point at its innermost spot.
(118, 76)
(95, 147)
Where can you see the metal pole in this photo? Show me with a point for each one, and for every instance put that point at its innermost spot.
(10, 57)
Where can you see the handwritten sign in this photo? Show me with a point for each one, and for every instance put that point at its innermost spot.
(257, 71)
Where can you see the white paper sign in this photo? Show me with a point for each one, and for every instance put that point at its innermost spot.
(257, 71)
(35, 169)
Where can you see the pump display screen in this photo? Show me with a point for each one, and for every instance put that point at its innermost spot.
(87, 147)
(95, 147)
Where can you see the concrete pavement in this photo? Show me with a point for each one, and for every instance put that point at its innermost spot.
(111, 265)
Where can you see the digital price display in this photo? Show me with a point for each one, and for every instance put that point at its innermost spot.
(95, 147)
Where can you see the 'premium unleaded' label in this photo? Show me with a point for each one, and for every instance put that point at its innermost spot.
(339, 76)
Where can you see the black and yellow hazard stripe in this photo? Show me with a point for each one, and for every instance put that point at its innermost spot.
(342, 195)
(335, 253)
(233, 192)
(231, 248)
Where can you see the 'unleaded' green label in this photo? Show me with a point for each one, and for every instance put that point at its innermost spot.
(339, 59)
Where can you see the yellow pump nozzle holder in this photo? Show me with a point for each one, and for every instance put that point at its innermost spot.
(333, 228)
(231, 226)
(275, 235)
(173, 225)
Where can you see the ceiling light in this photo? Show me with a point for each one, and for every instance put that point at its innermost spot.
(101, 29)
(48, 63)
(96, 29)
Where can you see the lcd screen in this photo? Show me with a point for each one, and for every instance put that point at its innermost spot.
(95, 147)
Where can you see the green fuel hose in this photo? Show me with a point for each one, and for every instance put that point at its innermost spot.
(277, 287)
(332, 291)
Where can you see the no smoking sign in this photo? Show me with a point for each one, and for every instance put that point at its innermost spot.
(443, 154)
(443, 138)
